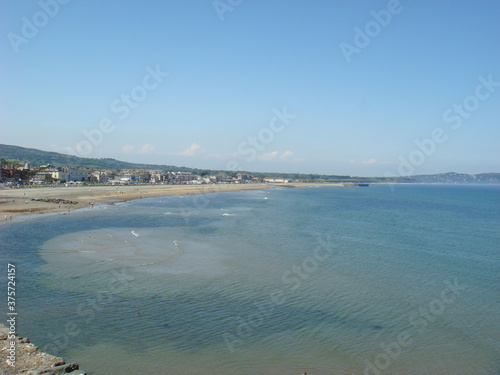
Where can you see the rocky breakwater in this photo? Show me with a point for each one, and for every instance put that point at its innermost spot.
(54, 200)
(19, 356)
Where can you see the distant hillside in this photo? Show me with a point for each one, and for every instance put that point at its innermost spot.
(458, 178)
(39, 157)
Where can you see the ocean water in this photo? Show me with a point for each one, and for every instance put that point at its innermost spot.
(328, 280)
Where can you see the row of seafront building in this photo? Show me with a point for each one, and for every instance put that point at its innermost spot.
(50, 174)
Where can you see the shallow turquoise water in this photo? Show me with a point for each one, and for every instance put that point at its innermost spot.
(325, 280)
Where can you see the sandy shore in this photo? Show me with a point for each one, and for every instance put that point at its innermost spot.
(18, 202)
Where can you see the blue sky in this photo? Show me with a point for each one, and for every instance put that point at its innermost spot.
(336, 87)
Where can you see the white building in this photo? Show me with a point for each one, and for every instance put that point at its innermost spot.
(77, 175)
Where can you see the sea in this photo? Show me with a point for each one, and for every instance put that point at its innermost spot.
(379, 280)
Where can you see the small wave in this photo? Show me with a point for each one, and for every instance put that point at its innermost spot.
(135, 233)
(178, 245)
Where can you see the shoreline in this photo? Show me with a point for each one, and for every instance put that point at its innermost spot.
(29, 359)
(22, 202)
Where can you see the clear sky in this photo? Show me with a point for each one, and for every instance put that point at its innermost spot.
(315, 86)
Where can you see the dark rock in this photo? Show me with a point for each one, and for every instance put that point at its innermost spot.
(57, 370)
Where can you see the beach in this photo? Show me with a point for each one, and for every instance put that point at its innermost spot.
(16, 202)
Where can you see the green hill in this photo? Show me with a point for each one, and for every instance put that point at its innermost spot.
(39, 157)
